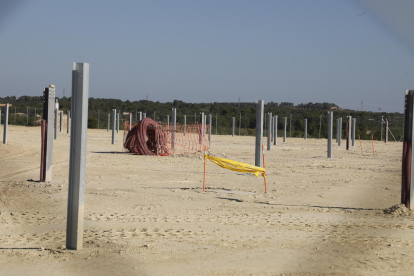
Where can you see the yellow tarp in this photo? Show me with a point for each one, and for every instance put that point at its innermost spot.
(236, 166)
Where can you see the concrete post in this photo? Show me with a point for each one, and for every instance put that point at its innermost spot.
(210, 121)
(136, 116)
(27, 117)
(340, 132)
(382, 125)
(77, 163)
(144, 115)
(205, 125)
(234, 121)
(6, 123)
(386, 130)
(407, 180)
(185, 124)
(306, 129)
(117, 122)
(174, 127)
(140, 116)
(109, 121)
(239, 124)
(202, 124)
(284, 131)
(61, 121)
(168, 122)
(130, 120)
(353, 131)
(49, 96)
(216, 123)
(337, 130)
(258, 160)
(113, 125)
(349, 130)
(68, 124)
(330, 126)
(275, 130)
(56, 123)
(269, 131)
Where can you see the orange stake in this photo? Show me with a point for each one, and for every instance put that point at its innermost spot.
(373, 152)
(204, 179)
(264, 167)
(359, 137)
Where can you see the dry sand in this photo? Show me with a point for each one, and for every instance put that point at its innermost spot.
(148, 215)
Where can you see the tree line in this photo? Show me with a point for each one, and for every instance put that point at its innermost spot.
(29, 110)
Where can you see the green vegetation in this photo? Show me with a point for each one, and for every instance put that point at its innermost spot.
(367, 122)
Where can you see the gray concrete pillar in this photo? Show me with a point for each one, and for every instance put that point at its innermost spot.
(130, 120)
(56, 123)
(68, 124)
(140, 116)
(202, 124)
(136, 116)
(269, 131)
(382, 125)
(349, 130)
(49, 96)
(113, 125)
(109, 121)
(330, 126)
(353, 131)
(6, 123)
(117, 122)
(284, 131)
(386, 130)
(210, 121)
(234, 122)
(61, 121)
(258, 160)
(340, 132)
(168, 122)
(205, 125)
(407, 179)
(144, 115)
(77, 161)
(306, 129)
(275, 130)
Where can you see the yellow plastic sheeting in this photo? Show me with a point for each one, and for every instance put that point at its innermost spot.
(236, 166)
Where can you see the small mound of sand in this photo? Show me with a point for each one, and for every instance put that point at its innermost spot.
(398, 210)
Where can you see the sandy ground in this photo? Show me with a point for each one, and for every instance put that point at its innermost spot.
(148, 215)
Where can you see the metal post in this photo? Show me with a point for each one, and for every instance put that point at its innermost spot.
(284, 131)
(68, 124)
(275, 130)
(386, 130)
(48, 115)
(320, 126)
(330, 125)
(61, 121)
(239, 124)
(306, 129)
(77, 163)
(56, 122)
(144, 115)
(27, 117)
(6, 123)
(113, 125)
(382, 125)
(269, 131)
(290, 126)
(130, 120)
(234, 120)
(258, 161)
(185, 124)
(407, 180)
(340, 132)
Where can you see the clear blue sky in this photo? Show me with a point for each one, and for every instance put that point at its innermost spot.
(207, 51)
